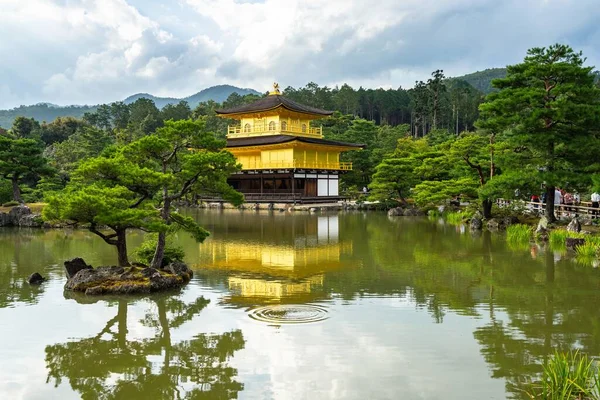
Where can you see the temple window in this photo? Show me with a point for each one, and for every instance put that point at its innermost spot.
(272, 125)
(303, 128)
(247, 128)
(283, 125)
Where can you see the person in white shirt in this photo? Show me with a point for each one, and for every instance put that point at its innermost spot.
(595, 202)
(557, 197)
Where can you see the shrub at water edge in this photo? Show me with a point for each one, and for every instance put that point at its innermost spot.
(519, 233)
(568, 376)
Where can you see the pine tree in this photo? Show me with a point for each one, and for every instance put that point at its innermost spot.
(549, 106)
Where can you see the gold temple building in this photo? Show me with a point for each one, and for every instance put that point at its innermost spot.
(283, 157)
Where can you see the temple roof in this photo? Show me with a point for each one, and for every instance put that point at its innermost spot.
(271, 102)
(278, 139)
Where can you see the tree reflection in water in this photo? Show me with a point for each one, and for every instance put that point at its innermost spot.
(109, 366)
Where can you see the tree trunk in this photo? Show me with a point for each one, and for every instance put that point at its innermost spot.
(550, 203)
(159, 253)
(16, 190)
(122, 248)
(487, 208)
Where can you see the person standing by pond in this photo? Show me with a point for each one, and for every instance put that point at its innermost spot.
(595, 202)
(568, 200)
(535, 199)
(558, 199)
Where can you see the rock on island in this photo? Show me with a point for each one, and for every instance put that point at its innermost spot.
(124, 280)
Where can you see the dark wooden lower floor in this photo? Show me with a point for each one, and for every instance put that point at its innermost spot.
(287, 186)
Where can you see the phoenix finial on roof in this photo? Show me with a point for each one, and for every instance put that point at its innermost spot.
(275, 88)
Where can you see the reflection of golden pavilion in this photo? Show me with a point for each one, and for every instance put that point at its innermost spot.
(276, 261)
(280, 272)
(252, 287)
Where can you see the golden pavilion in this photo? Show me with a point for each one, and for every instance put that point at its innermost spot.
(283, 157)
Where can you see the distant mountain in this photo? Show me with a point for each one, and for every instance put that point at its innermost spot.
(218, 93)
(49, 112)
(482, 80)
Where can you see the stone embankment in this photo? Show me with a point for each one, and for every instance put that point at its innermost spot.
(408, 211)
(313, 207)
(477, 222)
(21, 216)
(124, 280)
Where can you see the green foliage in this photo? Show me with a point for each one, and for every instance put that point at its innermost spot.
(363, 132)
(186, 158)
(144, 118)
(189, 225)
(587, 250)
(514, 209)
(547, 108)
(86, 143)
(568, 376)
(559, 236)
(21, 159)
(99, 205)
(10, 204)
(41, 112)
(456, 218)
(145, 252)
(5, 191)
(431, 193)
(176, 112)
(395, 175)
(519, 233)
(24, 128)
(59, 130)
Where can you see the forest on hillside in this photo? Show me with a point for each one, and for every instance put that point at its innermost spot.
(369, 100)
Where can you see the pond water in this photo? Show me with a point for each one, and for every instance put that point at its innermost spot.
(296, 306)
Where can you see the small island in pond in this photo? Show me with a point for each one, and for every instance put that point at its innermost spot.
(124, 280)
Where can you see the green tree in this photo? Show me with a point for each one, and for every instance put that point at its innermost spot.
(188, 158)
(420, 105)
(363, 132)
(346, 99)
(20, 159)
(549, 105)
(119, 113)
(176, 112)
(60, 129)
(437, 87)
(24, 128)
(111, 195)
(395, 175)
(86, 143)
(476, 151)
(144, 117)
(234, 100)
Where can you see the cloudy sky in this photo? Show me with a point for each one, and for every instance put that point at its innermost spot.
(94, 51)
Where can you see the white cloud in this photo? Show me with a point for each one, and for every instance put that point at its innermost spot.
(91, 51)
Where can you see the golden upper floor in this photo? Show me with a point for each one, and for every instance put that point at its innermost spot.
(274, 115)
(273, 125)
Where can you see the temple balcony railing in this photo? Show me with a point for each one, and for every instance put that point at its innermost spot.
(273, 128)
(297, 164)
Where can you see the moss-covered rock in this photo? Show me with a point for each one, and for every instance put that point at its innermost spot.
(129, 280)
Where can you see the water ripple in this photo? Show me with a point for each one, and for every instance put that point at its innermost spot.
(289, 314)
